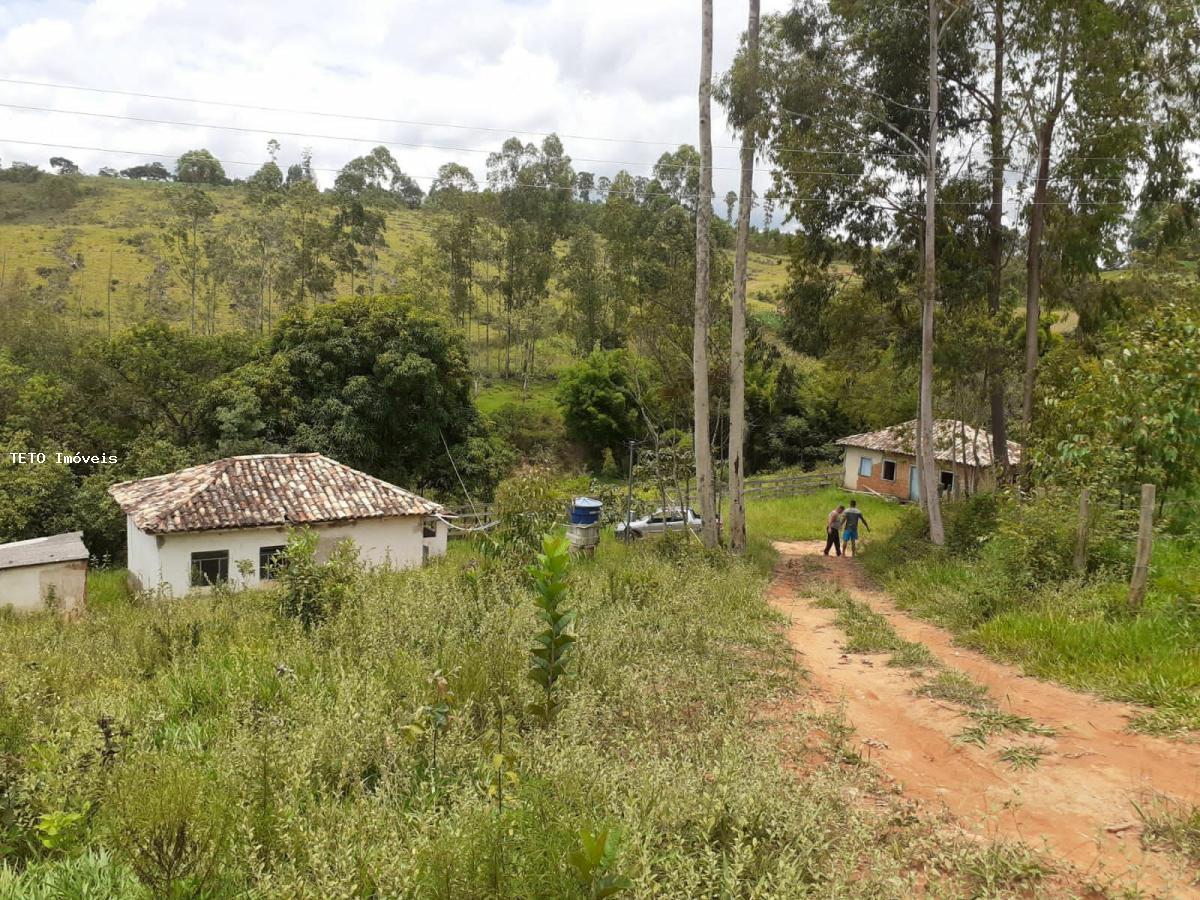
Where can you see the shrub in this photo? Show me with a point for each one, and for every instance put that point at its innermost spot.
(310, 591)
(93, 874)
(171, 824)
(970, 521)
(527, 506)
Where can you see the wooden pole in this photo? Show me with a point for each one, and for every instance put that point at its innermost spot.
(1081, 536)
(1145, 538)
(108, 292)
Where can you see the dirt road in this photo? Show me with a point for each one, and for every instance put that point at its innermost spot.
(1077, 803)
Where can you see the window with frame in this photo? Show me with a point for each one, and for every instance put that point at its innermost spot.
(889, 470)
(947, 481)
(210, 567)
(865, 466)
(429, 528)
(269, 561)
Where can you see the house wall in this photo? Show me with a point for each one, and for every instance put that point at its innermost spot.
(875, 481)
(27, 588)
(966, 478)
(166, 560)
(436, 545)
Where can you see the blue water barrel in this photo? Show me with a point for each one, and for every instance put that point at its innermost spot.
(585, 511)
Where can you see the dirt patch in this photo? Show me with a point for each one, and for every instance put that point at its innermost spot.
(1075, 803)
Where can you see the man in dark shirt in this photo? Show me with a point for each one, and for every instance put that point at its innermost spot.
(850, 520)
(832, 524)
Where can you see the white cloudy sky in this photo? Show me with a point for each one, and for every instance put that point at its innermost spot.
(624, 69)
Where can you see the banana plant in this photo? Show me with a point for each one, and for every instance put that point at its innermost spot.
(553, 645)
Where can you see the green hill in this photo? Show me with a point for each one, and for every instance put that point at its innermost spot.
(66, 237)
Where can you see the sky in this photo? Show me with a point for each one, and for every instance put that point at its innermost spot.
(625, 71)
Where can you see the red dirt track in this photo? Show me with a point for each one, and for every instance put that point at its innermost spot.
(1077, 804)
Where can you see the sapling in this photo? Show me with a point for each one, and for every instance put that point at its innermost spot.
(432, 719)
(591, 862)
(553, 645)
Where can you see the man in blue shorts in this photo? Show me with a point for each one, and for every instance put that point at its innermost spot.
(850, 520)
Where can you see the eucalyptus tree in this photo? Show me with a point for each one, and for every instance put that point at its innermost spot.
(705, 487)
(192, 210)
(746, 114)
(534, 187)
(855, 115)
(1088, 76)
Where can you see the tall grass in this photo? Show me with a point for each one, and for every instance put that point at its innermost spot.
(214, 745)
(1012, 593)
(803, 517)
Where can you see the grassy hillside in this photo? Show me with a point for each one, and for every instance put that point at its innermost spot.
(122, 223)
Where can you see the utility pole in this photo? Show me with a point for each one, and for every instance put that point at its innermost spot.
(109, 291)
(629, 491)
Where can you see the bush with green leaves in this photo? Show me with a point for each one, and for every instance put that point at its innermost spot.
(601, 400)
(527, 506)
(311, 591)
(171, 821)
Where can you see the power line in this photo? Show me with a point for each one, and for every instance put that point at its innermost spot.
(408, 122)
(350, 116)
(336, 137)
(418, 145)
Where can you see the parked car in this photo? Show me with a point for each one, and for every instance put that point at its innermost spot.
(672, 518)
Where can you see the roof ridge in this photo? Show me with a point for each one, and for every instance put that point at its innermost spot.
(217, 467)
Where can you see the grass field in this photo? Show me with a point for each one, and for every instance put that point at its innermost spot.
(1076, 630)
(802, 518)
(210, 747)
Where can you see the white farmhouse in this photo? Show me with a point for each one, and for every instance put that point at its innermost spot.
(224, 521)
(45, 573)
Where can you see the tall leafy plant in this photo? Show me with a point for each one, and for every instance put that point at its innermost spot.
(554, 644)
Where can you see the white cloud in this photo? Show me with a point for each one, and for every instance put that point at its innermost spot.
(622, 69)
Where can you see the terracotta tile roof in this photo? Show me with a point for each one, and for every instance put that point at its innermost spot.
(953, 441)
(39, 551)
(269, 489)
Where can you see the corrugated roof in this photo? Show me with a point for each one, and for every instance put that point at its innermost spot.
(953, 441)
(268, 489)
(39, 551)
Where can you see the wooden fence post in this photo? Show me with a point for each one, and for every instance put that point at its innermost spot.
(1145, 538)
(1081, 536)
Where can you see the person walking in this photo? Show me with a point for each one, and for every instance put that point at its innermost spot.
(832, 528)
(850, 521)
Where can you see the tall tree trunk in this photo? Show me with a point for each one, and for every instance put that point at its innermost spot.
(1033, 282)
(703, 449)
(195, 264)
(925, 444)
(995, 364)
(737, 353)
(1033, 262)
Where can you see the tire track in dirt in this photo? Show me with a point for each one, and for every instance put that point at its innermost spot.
(1076, 804)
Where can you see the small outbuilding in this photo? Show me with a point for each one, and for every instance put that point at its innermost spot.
(225, 521)
(884, 462)
(46, 573)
